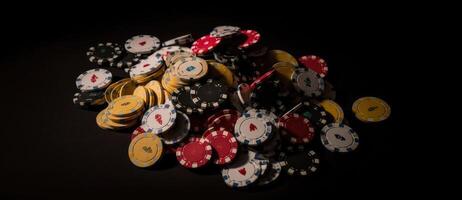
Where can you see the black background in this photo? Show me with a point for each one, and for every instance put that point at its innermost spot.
(53, 149)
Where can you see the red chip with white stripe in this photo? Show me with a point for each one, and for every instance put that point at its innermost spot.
(225, 144)
(196, 153)
(296, 128)
(205, 44)
(252, 38)
(226, 121)
(220, 113)
(314, 63)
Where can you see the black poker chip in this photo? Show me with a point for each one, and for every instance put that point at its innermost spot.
(299, 161)
(182, 100)
(89, 99)
(126, 61)
(314, 113)
(104, 53)
(209, 95)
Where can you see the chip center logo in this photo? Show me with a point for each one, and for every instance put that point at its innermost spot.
(142, 43)
(339, 137)
(307, 115)
(147, 149)
(125, 104)
(242, 171)
(158, 118)
(307, 81)
(372, 108)
(94, 78)
(190, 68)
(252, 127)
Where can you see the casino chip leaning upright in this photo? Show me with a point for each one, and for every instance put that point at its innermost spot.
(225, 99)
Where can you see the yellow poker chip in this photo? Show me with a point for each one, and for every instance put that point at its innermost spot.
(219, 70)
(284, 71)
(127, 88)
(125, 106)
(100, 120)
(107, 93)
(145, 150)
(156, 87)
(125, 119)
(371, 109)
(119, 125)
(275, 56)
(142, 93)
(334, 109)
(152, 98)
(115, 93)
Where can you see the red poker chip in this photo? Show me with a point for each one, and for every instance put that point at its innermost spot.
(195, 153)
(225, 144)
(210, 130)
(314, 63)
(226, 121)
(262, 78)
(222, 112)
(296, 128)
(205, 44)
(139, 130)
(252, 38)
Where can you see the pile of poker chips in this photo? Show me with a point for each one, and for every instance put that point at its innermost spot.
(227, 100)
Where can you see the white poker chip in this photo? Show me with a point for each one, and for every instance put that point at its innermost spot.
(143, 44)
(253, 130)
(147, 66)
(223, 31)
(159, 119)
(93, 79)
(308, 82)
(241, 173)
(339, 138)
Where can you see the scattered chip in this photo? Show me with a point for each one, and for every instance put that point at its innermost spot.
(333, 109)
(104, 53)
(228, 99)
(298, 161)
(339, 138)
(195, 153)
(145, 150)
(253, 130)
(243, 172)
(225, 145)
(142, 44)
(159, 118)
(314, 63)
(371, 109)
(93, 79)
(308, 82)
